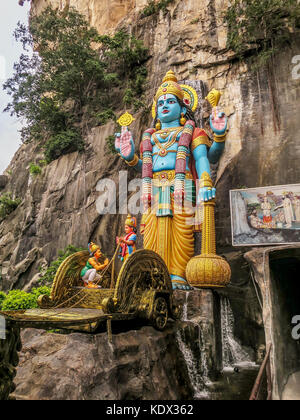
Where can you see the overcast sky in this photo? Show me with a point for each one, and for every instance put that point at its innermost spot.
(10, 50)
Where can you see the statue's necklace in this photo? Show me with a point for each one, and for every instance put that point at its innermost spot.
(163, 134)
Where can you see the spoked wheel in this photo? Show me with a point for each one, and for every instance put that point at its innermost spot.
(160, 313)
(143, 271)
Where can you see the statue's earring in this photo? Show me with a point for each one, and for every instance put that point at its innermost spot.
(182, 119)
(158, 125)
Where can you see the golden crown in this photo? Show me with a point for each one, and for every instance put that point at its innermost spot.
(93, 247)
(130, 221)
(170, 85)
(184, 92)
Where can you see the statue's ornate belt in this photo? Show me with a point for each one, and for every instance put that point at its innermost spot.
(166, 178)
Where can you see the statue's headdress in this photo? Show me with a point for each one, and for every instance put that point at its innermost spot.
(130, 221)
(170, 85)
(93, 248)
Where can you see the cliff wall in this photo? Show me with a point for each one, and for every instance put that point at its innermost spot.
(59, 206)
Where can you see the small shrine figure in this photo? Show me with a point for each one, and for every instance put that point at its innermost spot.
(297, 208)
(89, 273)
(128, 241)
(267, 215)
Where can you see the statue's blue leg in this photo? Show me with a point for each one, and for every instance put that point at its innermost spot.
(180, 283)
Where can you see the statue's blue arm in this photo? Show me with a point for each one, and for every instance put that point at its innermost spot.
(203, 165)
(215, 152)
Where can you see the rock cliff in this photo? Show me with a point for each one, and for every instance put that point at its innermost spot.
(140, 364)
(59, 206)
(9, 348)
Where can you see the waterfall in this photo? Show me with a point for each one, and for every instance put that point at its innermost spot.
(197, 367)
(192, 367)
(232, 351)
(185, 308)
(203, 355)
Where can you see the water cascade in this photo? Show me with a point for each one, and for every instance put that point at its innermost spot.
(232, 351)
(194, 356)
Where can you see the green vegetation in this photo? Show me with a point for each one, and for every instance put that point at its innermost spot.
(37, 168)
(259, 28)
(18, 299)
(110, 143)
(74, 80)
(154, 7)
(63, 143)
(194, 21)
(8, 204)
(2, 298)
(49, 273)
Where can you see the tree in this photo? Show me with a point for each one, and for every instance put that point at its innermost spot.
(73, 76)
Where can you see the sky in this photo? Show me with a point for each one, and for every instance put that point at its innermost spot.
(10, 50)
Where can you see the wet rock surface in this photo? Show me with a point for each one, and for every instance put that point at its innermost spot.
(9, 359)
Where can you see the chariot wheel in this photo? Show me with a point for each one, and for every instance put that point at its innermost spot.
(143, 271)
(160, 313)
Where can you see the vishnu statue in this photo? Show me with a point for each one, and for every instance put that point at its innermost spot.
(173, 155)
(127, 242)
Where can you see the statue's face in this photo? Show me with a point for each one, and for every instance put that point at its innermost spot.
(128, 229)
(98, 253)
(168, 108)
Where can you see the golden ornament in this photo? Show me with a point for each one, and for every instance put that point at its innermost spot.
(125, 120)
(208, 270)
(214, 97)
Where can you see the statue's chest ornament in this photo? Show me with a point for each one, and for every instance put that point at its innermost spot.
(164, 134)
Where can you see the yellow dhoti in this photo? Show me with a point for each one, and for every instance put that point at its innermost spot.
(170, 236)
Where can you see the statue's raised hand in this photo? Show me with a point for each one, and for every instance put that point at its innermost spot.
(124, 144)
(218, 121)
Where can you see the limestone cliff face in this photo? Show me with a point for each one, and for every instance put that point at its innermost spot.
(59, 206)
(105, 15)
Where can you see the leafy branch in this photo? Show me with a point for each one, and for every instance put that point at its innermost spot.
(74, 79)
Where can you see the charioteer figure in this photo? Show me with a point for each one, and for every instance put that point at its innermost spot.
(89, 273)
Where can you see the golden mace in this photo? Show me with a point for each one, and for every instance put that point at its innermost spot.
(208, 270)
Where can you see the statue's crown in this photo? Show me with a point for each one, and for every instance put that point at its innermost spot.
(130, 221)
(93, 247)
(170, 85)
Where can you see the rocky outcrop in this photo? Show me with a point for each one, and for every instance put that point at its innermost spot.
(9, 347)
(3, 181)
(140, 364)
(59, 206)
(275, 272)
(104, 15)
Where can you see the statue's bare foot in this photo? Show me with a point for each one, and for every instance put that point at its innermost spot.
(179, 283)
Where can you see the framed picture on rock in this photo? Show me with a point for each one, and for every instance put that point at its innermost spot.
(265, 215)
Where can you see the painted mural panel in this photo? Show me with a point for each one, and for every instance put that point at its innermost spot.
(266, 215)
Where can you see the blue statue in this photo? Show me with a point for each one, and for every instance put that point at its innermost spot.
(174, 155)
